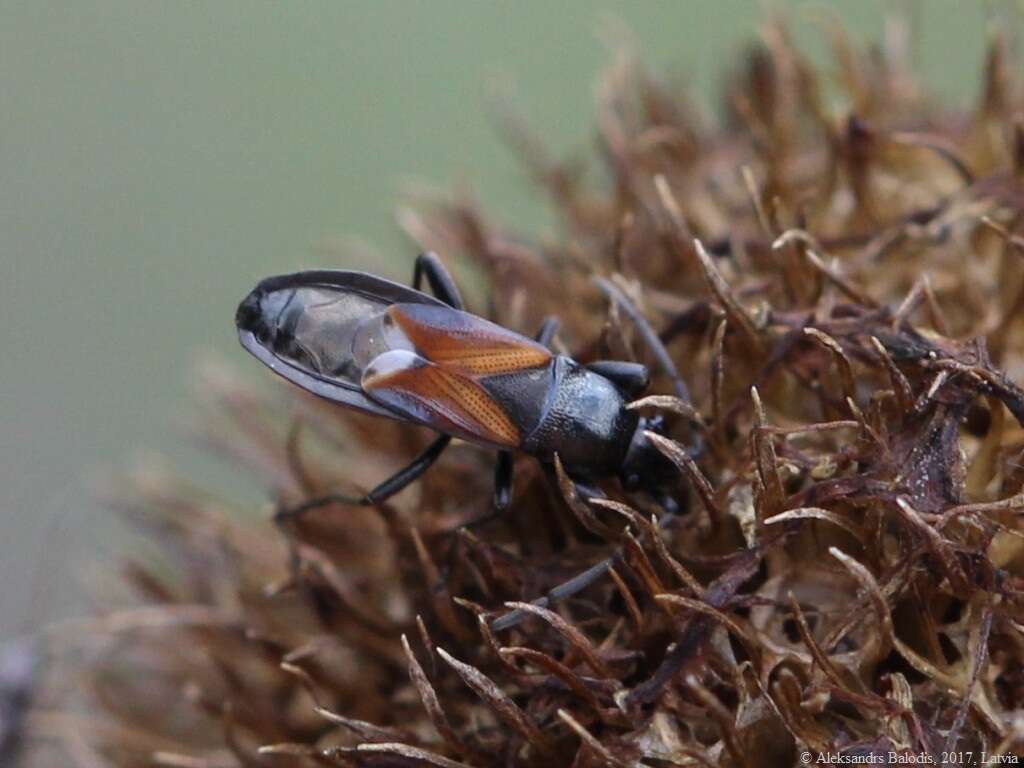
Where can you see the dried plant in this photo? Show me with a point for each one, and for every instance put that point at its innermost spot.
(842, 289)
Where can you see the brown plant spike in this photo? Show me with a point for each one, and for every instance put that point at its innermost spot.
(841, 290)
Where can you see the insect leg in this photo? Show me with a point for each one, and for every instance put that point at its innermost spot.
(547, 331)
(565, 589)
(503, 481)
(576, 583)
(559, 592)
(582, 580)
(631, 378)
(503, 468)
(430, 266)
(572, 586)
(382, 492)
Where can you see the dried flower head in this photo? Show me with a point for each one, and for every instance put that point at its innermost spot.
(843, 292)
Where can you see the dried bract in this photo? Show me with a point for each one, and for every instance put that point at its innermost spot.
(839, 568)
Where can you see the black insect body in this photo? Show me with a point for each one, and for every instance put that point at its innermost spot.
(397, 352)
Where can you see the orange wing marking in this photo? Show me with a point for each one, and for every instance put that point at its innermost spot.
(434, 395)
(465, 343)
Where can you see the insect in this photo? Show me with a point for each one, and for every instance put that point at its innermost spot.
(393, 351)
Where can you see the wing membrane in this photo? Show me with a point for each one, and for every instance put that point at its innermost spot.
(438, 397)
(301, 326)
(466, 344)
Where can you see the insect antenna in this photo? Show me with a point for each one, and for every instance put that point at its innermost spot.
(654, 343)
(582, 580)
(576, 584)
(647, 333)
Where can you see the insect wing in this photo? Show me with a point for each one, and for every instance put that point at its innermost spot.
(465, 344)
(375, 288)
(438, 397)
(337, 390)
(389, 350)
(300, 326)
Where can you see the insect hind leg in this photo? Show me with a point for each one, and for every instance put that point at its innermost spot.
(380, 493)
(429, 265)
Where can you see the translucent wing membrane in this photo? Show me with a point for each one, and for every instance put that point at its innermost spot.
(466, 344)
(435, 395)
(302, 326)
(390, 350)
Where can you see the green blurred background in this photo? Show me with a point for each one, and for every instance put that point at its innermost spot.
(158, 158)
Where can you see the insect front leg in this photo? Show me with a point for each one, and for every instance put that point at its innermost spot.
(382, 492)
(429, 265)
(582, 580)
(566, 589)
(574, 585)
(630, 378)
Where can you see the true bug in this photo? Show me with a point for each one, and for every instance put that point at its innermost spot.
(397, 352)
